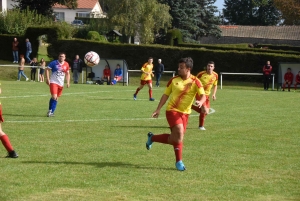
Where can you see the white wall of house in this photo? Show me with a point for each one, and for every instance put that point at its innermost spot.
(10, 4)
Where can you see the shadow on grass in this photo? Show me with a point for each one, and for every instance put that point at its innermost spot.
(99, 165)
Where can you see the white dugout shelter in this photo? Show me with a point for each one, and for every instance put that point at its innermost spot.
(282, 69)
(112, 63)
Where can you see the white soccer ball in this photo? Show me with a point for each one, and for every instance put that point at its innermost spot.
(91, 59)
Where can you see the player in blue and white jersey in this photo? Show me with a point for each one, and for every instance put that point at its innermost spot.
(60, 69)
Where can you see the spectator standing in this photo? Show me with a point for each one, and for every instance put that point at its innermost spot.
(76, 68)
(288, 79)
(42, 65)
(159, 69)
(15, 50)
(21, 68)
(267, 69)
(28, 50)
(34, 64)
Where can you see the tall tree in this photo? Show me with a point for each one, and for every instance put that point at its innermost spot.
(142, 17)
(251, 12)
(43, 7)
(208, 22)
(290, 10)
(194, 18)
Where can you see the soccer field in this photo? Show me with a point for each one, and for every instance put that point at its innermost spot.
(94, 147)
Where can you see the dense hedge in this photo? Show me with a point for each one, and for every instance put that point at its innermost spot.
(136, 55)
(224, 47)
(280, 47)
(172, 36)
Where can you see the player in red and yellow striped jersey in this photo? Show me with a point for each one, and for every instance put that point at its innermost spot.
(4, 138)
(182, 89)
(146, 78)
(209, 79)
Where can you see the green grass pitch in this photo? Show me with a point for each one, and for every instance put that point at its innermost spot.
(94, 147)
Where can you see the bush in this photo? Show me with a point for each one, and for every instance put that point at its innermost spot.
(174, 36)
(93, 35)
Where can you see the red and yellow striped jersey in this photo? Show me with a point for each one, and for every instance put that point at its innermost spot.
(148, 69)
(208, 80)
(182, 93)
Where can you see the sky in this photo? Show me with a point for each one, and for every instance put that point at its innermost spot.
(219, 4)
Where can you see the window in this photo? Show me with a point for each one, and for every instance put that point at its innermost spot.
(83, 14)
(60, 16)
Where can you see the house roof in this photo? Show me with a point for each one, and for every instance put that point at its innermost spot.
(81, 4)
(267, 32)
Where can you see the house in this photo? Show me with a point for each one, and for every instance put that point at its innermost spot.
(276, 35)
(85, 8)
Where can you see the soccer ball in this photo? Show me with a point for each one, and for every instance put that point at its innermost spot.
(91, 59)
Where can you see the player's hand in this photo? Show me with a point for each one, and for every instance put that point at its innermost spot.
(155, 114)
(214, 97)
(47, 82)
(198, 103)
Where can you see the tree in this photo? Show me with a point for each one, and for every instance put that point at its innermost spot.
(43, 7)
(208, 20)
(142, 17)
(290, 10)
(251, 12)
(194, 18)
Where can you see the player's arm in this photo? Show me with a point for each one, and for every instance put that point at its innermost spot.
(161, 103)
(48, 75)
(214, 92)
(68, 78)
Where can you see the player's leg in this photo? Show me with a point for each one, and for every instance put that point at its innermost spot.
(289, 85)
(283, 85)
(5, 140)
(204, 111)
(149, 83)
(53, 100)
(142, 83)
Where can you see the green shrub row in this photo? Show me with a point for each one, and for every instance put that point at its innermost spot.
(226, 47)
(137, 55)
(280, 47)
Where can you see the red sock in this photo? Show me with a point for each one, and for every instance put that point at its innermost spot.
(197, 109)
(201, 119)
(150, 93)
(162, 138)
(6, 143)
(178, 151)
(137, 91)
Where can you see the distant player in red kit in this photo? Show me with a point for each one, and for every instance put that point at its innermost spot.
(288, 79)
(297, 80)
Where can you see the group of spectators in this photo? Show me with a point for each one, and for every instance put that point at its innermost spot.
(287, 79)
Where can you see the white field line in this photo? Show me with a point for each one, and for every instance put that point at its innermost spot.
(97, 120)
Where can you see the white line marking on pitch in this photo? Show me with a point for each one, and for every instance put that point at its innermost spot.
(97, 120)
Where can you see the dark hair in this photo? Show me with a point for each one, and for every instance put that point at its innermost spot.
(188, 62)
(62, 53)
(289, 69)
(150, 58)
(211, 62)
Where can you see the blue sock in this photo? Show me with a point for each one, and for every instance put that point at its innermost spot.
(50, 103)
(115, 81)
(54, 103)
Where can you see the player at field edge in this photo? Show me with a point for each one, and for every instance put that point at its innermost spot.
(297, 80)
(60, 68)
(146, 78)
(267, 69)
(208, 78)
(4, 138)
(288, 79)
(182, 89)
(118, 74)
